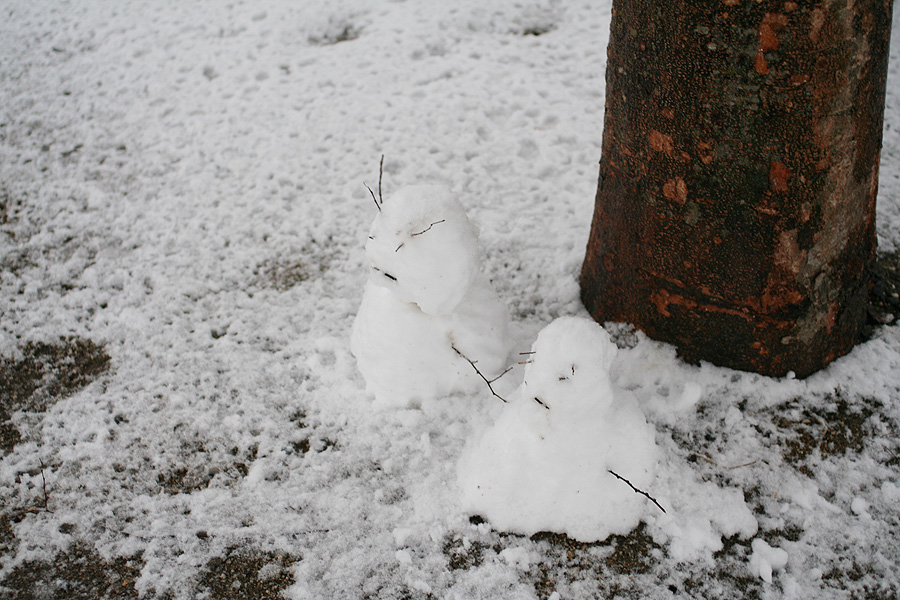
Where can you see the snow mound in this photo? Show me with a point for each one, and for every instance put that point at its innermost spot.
(766, 560)
(550, 462)
(427, 308)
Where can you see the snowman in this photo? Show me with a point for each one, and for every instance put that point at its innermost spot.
(428, 312)
(570, 451)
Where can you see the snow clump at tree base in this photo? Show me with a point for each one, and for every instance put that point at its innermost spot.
(427, 308)
(558, 457)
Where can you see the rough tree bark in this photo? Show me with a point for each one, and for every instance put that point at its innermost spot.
(735, 214)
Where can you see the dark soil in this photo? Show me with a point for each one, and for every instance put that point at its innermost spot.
(248, 575)
(46, 374)
(78, 574)
(830, 431)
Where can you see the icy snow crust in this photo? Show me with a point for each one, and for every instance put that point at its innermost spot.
(182, 184)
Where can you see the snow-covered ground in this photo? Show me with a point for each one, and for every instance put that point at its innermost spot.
(182, 191)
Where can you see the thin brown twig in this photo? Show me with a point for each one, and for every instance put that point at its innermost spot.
(752, 462)
(427, 229)
(636, 490)
(375, 200)
(380, 173)
(507, 370)
(706, 458)
(44, 485)
(489, 382)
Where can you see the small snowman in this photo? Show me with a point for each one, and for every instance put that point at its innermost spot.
(569, 451)
(428, 311)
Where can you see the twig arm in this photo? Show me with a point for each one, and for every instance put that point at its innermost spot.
(636, 490)
(489, 382)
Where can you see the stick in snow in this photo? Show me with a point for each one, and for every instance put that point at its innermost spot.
(380, 173)
(480, 374)
(380, 200)
(378, 206)
(44, 484)
(641, 492)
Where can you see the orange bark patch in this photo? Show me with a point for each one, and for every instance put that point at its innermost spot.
(768, 39)
(788, 254)
(675, 190)
(706, 152)
(776, 21)
(767, 32)
(779, 177)
(816, 20)
(759, 63)
(662, 299)
(661, 142)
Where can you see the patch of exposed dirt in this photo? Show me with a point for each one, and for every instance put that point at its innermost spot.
(248, 575)
(46, 373)
(194, 471)
(7, 537)
(284, 274)
(861, 580)
(195, 468)
(287, 271)
(77, 574)
(632, 552)
(463, 555)
(4, 207)
(569, 560)
(50, 371)
(829, 431)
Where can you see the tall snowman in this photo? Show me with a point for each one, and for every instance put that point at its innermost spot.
(428, 309)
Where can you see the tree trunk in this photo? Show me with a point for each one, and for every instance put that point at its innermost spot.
(735, 214)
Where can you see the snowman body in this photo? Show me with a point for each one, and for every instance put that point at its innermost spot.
(546, 464)
(427, 303)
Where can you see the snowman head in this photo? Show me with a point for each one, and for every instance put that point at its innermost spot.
(570, 364)
(423, 248)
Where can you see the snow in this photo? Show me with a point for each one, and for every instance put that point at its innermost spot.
(548, 462)
(183, 185)
(766, 560)
(429, 314)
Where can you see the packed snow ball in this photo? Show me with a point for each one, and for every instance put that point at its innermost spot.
(545, 464)
(428, 312)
